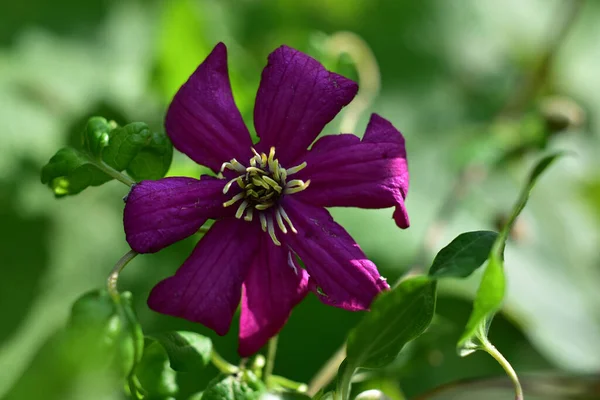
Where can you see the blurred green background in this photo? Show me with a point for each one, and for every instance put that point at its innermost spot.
(447, 67)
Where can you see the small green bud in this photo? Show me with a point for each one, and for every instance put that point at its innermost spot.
(96, 135)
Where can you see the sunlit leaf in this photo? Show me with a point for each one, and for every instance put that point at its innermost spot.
(491, 289)
(467, 252)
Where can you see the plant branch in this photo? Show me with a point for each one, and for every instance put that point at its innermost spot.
(114, 275)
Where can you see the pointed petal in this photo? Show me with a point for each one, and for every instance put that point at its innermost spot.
(347, 172)
(160, 213)
(203, 121)
(297, 97)
(208, 286)
(344, 276)
(274, 285)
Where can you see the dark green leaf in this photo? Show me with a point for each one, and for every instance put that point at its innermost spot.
(188, 351)
(396, 317)
(155, 375)
(154, 160)
(69, 172)
(491, 289)
(243, 387)
(96, 135)
(145, 154)
(463, 255)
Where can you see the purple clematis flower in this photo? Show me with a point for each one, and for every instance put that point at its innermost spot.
(269, 200)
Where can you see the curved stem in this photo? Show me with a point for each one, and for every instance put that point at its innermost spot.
(327, 372)
(512, 374)
(270, 364)
(221, 364)
(114, 275)
(367, 69)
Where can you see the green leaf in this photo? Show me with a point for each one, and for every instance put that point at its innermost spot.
(396, 317)
(155, 375)
(96, 135)
(69, 172)
(492, 287)
(467, 252)
(243, 387)
(111, 326)
(143, 153)
(188, 351)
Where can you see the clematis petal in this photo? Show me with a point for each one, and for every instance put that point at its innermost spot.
(203, 121)
(342, 275)
(160, 213)
(208, 286)
(274, 285)
(296, 98)
(347, 172)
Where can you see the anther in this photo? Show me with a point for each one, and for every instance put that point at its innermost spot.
(234, 200)
(287, 219)
(280, 221)
(295, 169)
(271, 229)
(241, 209)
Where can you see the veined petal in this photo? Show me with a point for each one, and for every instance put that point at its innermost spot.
(203, 121)
(347, 172)
(274, 285)
(160, 213)
(296, 98)
(208, 286)
(342, 274)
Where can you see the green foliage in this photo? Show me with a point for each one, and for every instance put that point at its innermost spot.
(156, 377)
(107, 151)
(491, 289)
(467, 252)
(142, 153)
(187, 351)
(245, 386)
(396, 317)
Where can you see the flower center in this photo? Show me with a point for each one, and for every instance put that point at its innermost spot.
(262, 185)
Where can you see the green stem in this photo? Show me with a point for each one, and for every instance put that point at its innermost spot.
(367, 70)
(493, 351)
(344, 383)
(222, 365)
(107, 169)
(114, 275)
(286, 383)
(270, 364)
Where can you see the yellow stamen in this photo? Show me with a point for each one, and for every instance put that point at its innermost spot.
(241, 209)
(287, 219)
(249, 214)
(280, 221)
(271, 230)
(234, 200)
(263, 221)
(295, 169)
(295, 186)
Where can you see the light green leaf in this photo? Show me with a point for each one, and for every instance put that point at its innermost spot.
(491, 289)
(155, 375)
(187, 351)
(96, 135)
(69, 172)
(463, 255)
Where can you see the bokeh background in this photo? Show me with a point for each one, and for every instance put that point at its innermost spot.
(448, 69)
